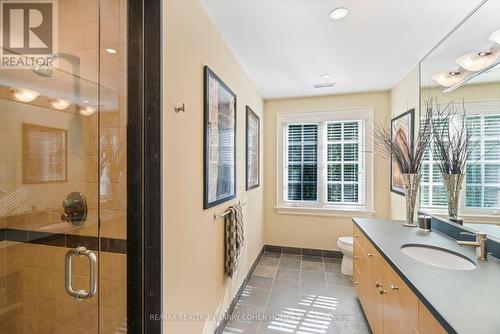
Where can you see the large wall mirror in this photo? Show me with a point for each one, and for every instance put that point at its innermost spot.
(464, 70)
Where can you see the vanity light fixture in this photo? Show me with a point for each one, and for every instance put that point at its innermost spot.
(338, 13)
(87, 110)
(449, 78)
(495, 37)
(25, 95)
(111, 51)
(60, 104)
(477, 61)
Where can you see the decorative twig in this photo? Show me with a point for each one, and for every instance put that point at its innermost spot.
(454, 142)
(407, 157)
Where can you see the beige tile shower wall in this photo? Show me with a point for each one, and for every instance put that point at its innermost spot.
(33, 299)
(313, 231)
(194, 281)
(78, 37)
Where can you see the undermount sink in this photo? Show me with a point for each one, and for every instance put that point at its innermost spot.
(438, 257)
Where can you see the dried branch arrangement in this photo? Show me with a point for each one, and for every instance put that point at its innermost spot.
(407, 157)
(452, 137)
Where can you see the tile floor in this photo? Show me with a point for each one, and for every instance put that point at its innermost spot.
(290, 293)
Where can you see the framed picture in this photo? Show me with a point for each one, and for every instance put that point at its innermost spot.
(253, 149)
(219, 141)
(44, 154)
(402, 128)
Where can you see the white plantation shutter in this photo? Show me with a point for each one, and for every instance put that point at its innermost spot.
(324, 163)
(483, 168)
(482, 182)
(343, 160)
(302, 162)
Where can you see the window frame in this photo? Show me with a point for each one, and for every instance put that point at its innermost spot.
(320, 206)
(480, 108)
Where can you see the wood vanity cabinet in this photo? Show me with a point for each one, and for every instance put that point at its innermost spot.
(389, 304)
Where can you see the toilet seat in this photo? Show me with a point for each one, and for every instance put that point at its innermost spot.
(346, 242)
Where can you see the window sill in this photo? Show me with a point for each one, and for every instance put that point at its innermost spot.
(324, 212)
(468, 216)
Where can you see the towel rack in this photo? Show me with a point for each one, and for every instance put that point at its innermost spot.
(227, 211)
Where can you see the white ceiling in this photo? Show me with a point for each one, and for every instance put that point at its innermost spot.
(286, 45)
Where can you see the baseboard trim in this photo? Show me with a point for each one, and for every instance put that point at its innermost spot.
(303, 251)
(232, 306)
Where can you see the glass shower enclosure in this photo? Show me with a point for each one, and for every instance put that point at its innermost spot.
(63, 98)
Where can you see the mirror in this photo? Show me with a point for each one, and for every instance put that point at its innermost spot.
(464, 68)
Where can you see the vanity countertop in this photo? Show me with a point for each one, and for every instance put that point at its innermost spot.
(462, 301)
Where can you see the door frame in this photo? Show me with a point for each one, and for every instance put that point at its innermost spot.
(144, 165)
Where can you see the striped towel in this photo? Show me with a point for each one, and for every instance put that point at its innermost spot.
(234, 239)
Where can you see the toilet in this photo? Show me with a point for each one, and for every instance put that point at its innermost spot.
(344, 244)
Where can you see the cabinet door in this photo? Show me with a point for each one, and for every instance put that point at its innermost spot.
(376, 299)
(427, 324)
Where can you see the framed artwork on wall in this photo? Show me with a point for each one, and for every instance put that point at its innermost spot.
(253, 149)
(402, 128)
(219, 141)
(44, 154)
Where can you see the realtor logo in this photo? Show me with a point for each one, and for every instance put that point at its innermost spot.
(29, 34)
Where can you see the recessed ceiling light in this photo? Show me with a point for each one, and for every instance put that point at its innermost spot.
(110, 50)
(326, 76)
(25, 95)
(338, 13)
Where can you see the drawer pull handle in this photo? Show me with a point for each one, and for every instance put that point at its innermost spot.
(355, 283)
(356, 236)
(370, 255)
(356, 257)
(378, 284)
(393, 287)
(382, 291)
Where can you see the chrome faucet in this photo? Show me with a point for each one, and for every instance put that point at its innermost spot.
(480, 244)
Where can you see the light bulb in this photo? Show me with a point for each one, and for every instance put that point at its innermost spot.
(477, 61)
(25, 95)
(60, 104)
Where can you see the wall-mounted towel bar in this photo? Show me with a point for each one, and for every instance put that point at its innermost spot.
(227, 211)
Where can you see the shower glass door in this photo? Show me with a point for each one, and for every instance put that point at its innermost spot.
(63, 166)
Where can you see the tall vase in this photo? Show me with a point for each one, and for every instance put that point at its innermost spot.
(453, 186)
(411, 182)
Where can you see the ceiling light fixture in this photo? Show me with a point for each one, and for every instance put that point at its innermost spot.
(111, 51)
(25, 95)
(326, 76)
(477, 61)
(338, 13)
(60, 104)
(449, 78)
(495, 37)
(87, 111)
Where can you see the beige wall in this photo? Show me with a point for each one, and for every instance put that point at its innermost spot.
(193, 242)
(318, 231)
(404, 96)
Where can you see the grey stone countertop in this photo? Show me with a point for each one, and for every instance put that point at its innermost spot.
(465, 302)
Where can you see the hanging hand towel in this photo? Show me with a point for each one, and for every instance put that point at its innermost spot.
(234, 238)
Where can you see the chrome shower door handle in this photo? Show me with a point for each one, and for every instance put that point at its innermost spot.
(80, 294)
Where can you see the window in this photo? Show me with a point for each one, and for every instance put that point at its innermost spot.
(302, 162)
(324, 161)
(481, 190)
